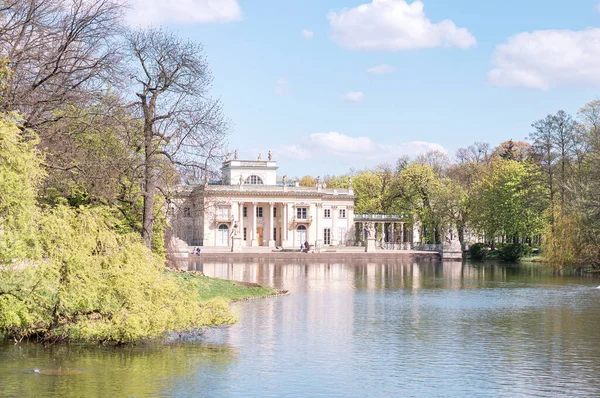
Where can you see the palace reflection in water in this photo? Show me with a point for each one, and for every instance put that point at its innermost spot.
(358, 329)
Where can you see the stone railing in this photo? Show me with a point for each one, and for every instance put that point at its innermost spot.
(223, 218)
(298, 220)
(427, 247)
(379, 217)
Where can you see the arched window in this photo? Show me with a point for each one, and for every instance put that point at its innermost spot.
(301, 228)
(254, 180)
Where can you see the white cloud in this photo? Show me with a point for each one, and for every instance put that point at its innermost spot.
(282, 87)
(394, 25)
(307, 34)
(156, 12)
(547, 58)
(293, 152)
(381, 69)
(312, 151)
(360, 148)
(354, 96)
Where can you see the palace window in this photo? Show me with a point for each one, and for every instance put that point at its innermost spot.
(274, 211)
(253, 180)
(259, 211)
(327, 236)
(244, 231)
(342, 213)
(223, 212)
(275, 234)
(301, 213)
(187, 212)
(326, 213)
(245, 211)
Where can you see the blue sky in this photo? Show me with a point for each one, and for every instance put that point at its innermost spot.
(294, 76)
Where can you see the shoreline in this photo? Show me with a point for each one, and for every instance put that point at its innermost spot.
(347, 255)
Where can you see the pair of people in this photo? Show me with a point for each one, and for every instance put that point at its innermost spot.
(305, 247)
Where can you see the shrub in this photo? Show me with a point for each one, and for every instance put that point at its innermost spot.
(513, 251)
(478, 251)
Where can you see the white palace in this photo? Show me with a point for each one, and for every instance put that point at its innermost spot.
(250, 203)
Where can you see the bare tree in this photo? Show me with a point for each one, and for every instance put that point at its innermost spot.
(59, 51)
(478, 152)
(181, 125)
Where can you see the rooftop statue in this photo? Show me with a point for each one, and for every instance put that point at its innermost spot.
(259, 156)
(235, 154)
(270, 155)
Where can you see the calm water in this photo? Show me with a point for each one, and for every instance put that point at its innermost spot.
(354, 330)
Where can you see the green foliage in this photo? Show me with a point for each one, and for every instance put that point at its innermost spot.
(571, 240)
(478, 251)
(95, 284)
(368, 187)
(509, 200)
(92, 284)
(513, 251)
(78, 273)
(20, 175)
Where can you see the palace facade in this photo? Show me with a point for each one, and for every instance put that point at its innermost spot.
(251, 203)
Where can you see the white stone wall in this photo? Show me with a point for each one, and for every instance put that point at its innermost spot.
(198, 219)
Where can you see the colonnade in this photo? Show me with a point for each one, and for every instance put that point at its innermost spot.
(394, 234)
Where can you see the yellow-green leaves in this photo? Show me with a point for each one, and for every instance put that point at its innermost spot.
(20, 174)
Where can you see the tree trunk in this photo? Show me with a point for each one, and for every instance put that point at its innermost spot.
(149, 189)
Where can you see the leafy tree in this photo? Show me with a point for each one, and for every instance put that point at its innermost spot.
(368, 187)
(509, 201)
(20, 176)
(307, 181)
(73, 273)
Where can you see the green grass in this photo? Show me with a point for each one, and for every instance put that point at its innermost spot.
(210, 288)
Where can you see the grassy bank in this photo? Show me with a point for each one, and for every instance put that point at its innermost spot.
(210, 288)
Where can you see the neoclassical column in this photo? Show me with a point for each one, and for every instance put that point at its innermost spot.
(271, 225)
(284, 237)
(241, 220)
(318, 237)
(334, 216)
(402, 234)
(253, 233)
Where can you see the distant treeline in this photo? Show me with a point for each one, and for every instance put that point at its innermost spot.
(544, 191)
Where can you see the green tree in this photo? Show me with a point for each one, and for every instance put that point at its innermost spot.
(20, 176)
(509, 201)
(307, 181)
(73, 273)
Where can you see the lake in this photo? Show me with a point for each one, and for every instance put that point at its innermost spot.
(353, 329)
